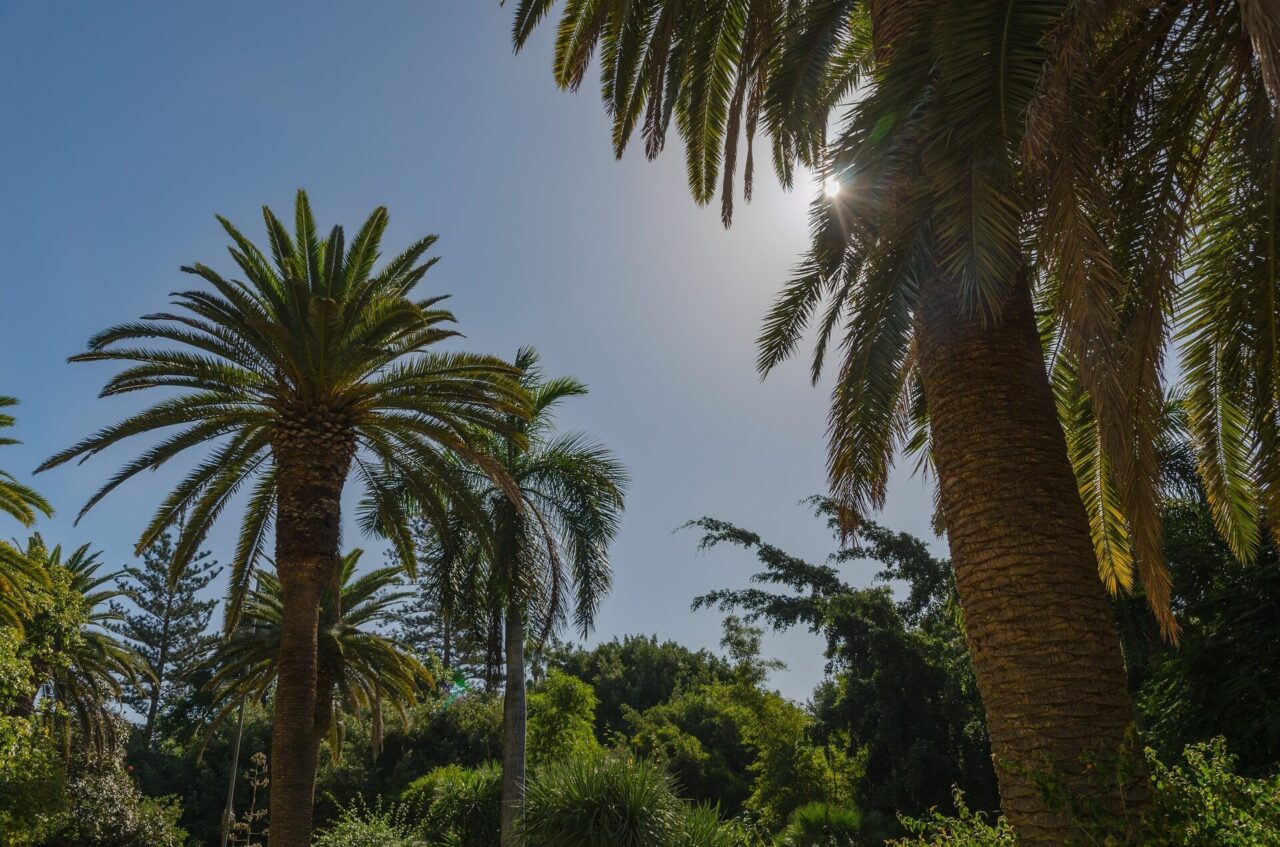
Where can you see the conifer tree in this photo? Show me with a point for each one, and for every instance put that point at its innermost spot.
(168, 625)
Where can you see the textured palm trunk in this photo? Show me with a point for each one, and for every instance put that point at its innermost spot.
(309, 477)
(1039, 625)
(513, 728)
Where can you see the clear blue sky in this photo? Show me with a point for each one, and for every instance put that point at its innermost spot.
(127, 126)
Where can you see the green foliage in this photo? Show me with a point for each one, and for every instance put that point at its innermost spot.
(636, 674)
(457, 806)
(106, 809)
(1230, 651)
(965, 829)
(359, 667)
(32, 779)
(167, 626)
(900, 703)
(605, 801)
(1199, 802)
(79, 668)
(561, 720)
(1204, 803)
(312, 347)
(822, 825)
(358, 825)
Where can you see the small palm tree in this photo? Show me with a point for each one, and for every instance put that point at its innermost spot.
(313, 367)
(24, 504)
(81, 669)
(542, 552)
(360, 669)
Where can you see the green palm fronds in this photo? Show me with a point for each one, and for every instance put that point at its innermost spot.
(364, 670)
(312, 347)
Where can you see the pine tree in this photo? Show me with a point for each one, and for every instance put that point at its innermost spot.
(168, 625)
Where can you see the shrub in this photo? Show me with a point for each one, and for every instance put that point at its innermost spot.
(359, 825)
(701, 827)
(965, 829)
(822, 825)
(105, 809)
(1202, 802)
(456, 805)
(605, 801)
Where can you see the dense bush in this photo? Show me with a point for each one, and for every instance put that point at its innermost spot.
(604, 801)
(1200, 802)
(456, 805)
(822, 825)
(359, 825)
(106, 809)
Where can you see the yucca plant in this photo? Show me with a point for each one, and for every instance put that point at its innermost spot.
(360, 669)
(315, 366)
(607, 801)
(822, 825)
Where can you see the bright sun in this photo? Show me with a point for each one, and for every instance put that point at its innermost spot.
(831, 187)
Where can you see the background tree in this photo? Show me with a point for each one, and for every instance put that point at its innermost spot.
(543, 544)
(360, 669)
(636, 673)
(900, 696)
(314, 367)
(24, 504)
(80, 669)
(168, 626)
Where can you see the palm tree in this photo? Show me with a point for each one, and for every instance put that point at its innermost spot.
(80, 667)
(977, 119)
(360, 669)
(312, 368)
(24, 504)
(543, 551)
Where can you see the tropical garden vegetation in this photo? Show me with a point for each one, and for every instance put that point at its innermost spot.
(1025, 207)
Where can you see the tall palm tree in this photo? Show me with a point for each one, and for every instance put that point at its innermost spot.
(23, 503)
(81, 669)
(359, 669)
(542, 547)
(312, 368)
(977, 119)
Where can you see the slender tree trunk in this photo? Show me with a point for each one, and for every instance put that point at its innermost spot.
(229, 813)
(153, 707)
(447, 645)
(513, 728)
(1046, 651)
(310, 472)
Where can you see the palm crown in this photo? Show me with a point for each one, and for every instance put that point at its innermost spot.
(314, 353)
(544, 549)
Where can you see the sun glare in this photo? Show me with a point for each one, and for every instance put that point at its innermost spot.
(831, 187)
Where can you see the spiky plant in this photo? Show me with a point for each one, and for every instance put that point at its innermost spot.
(313, 367)
(360, 669)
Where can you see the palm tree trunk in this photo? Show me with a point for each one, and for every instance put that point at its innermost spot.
(309, 479)
(513, 728)
(1046, 651)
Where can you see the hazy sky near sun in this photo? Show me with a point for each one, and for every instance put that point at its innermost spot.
(127, 126)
